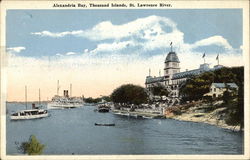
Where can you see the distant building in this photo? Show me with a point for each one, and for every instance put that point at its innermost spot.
(217, 89)
(173, 78)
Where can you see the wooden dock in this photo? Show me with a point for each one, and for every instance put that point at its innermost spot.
(138, 114)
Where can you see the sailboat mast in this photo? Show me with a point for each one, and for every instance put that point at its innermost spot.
(58, 87)
(26, 96)
(70, 90)
(39, 98)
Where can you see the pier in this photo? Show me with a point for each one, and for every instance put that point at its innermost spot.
(150, 115)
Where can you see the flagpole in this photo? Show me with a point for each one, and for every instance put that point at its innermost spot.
(26, 96)
(204, 55)
(171, 47)
(218, 60)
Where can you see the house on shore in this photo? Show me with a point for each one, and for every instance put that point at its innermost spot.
(217, 89)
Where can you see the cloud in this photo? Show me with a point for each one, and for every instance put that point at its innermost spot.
(15, 49)
(214, 40)
(106, 30)
(58, 54)
(141, 35)
(71, 53)
(86, 51)
(141, 27)
(57, 34)
(112, 47)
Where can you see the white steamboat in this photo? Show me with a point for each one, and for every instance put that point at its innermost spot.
(65, 101)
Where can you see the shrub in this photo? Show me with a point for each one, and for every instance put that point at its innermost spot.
(32, 147)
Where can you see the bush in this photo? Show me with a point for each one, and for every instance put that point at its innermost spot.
(32, 147)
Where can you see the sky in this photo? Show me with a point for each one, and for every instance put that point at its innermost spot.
(98, 50)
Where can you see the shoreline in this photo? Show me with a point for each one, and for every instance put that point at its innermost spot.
(220, 125)
(197, 113)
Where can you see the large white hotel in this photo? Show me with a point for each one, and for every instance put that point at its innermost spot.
(173, 78)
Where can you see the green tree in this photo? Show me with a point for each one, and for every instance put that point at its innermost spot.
(106, 98)
(129, 93)
(235, 108)
(92, 100)
(196, 86)
(159, 91)
(32, 147)
(226, 97)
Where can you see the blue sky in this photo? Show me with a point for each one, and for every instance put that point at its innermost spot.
(196, 25)
(98, 50)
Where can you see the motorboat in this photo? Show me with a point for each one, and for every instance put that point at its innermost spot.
(33, 113)
(29, 114)
(103, 108)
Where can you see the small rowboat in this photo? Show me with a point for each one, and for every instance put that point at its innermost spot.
(109, 124)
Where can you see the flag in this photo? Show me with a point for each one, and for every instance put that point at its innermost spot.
(203, 55)
(217, 57)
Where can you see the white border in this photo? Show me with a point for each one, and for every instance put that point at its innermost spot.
(243, 4)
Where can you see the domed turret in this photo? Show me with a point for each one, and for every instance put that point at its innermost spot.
(172, 57)
(171, 64)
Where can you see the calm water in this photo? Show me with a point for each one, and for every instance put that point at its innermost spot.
(70, 131)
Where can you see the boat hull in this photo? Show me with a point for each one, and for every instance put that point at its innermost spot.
(62, 106)
(109, 124)
(28, 117)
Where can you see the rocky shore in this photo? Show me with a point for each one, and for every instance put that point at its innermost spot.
(201, 112)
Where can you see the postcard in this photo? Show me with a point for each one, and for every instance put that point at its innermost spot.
(124, 80)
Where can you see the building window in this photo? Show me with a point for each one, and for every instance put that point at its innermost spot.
(214, 89)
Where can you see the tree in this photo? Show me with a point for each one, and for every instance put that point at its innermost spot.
(32, 147)
(235, 108)
(196, 86)
(92, 100)
(129, 93)
(159, 91)
(226, 96)
(106, 98)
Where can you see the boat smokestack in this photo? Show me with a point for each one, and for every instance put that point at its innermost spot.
(26, 96)
(70, 90)
(33, 106)
(39, 97)
(58, 87)
(65, 93)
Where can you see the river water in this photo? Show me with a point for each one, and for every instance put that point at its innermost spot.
(72, 131)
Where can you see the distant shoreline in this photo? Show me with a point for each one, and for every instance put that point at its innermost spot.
(27, 102)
